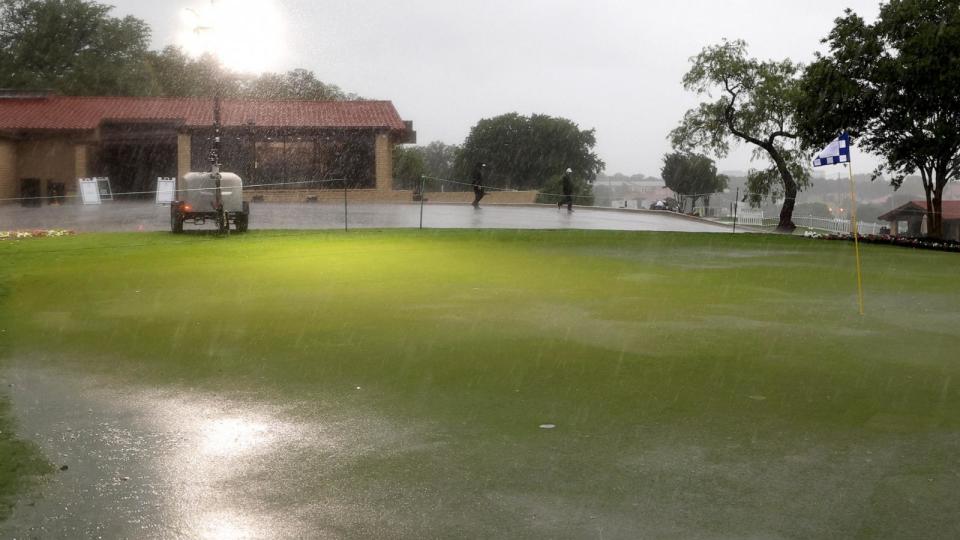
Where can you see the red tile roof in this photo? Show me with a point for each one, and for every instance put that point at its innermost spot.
(951, 210)
(85, 113)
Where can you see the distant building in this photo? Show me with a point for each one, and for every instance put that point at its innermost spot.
(911, 220)
(47, 142)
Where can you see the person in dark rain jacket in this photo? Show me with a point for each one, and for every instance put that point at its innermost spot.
(567, 184)
(478, 191)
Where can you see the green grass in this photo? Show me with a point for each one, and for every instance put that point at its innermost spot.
(748, 348)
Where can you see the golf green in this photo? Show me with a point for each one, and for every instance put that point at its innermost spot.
(697, 385)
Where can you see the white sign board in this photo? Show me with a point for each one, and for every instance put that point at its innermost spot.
(104, 186)
(166, 190)
(89, 191)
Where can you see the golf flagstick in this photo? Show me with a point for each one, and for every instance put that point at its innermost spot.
(855, 228)
(837, 153)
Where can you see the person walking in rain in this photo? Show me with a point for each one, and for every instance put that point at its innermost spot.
(567, 185)
(478, 191)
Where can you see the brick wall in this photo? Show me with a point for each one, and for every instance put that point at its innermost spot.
(383, 154)
(8, 170)
(327, 196)
(495, 197)
(50, 160)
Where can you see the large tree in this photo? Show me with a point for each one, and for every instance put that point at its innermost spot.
(440, 159)
(692, 175)
(72, 46)
(76, 47)
(755, 104)
(526, 152)
(895, 84)
(408, 167)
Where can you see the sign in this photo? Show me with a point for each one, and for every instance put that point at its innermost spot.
(89, 191)
(166, 190)
(103, 185)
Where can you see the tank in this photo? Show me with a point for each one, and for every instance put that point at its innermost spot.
(199, 191)
(197, 202)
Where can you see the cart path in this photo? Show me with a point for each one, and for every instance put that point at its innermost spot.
(126, 216)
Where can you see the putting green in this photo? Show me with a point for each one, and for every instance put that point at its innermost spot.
(700, 385)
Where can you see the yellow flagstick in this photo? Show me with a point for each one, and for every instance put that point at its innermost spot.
(855, 227)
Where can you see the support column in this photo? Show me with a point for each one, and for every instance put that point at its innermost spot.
(183, 157)
(383, 153)
(8, 170)
(81, 161)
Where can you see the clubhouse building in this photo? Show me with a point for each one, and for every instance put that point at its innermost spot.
(910, 220)
(47, 142)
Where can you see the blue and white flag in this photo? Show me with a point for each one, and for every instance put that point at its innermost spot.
(837, 152)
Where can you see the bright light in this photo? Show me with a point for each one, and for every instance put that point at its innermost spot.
(245, 35)
(232, 436)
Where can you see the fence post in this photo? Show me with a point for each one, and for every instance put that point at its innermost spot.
(736, 209)
(423, 179)
(345, 216)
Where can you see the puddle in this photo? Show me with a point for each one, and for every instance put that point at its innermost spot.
(145, 463)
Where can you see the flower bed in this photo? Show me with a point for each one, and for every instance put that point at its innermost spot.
(37, 233)
(916, 243)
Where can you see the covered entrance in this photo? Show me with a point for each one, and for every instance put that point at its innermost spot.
(133, 156)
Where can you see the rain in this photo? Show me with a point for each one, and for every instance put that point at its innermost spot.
(287, 269)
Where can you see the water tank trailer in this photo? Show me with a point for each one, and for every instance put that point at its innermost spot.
(198, 202)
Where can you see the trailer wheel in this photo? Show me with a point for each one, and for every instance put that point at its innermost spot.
(176, 218)
(243, 218)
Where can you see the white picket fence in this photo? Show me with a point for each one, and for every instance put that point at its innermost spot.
(755, 218)
(750, 217)
(836, 225)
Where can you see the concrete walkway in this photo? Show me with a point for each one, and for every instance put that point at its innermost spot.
(119, 216)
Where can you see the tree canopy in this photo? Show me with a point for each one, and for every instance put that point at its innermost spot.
(526, 152)
(894, 85)
(76, 47)
(692, 175)
(756, 105)
(72, 46)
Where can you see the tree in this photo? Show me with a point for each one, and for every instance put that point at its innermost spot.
(295, 84)
(757, 106)
(174, 74)
(72, 46)
(526, 152)
(408, 166)
(440, 159)
(894, 85)
(76, 47)
(692, 175)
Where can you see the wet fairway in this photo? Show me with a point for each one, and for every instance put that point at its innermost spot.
(394, 385)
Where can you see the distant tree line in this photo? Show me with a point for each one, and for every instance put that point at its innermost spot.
(76, 47)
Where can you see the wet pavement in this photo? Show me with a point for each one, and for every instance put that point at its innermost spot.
(120, 216)
(145, 463)
(184, 463)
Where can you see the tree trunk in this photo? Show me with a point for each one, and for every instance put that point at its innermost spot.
(935, 212)
(790, 191)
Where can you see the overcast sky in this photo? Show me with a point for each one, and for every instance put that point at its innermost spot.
(612, 65)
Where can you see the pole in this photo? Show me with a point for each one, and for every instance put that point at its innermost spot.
(222, 222)
(345, 217)
(855, 228)
(736, 209)
(422, 180)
